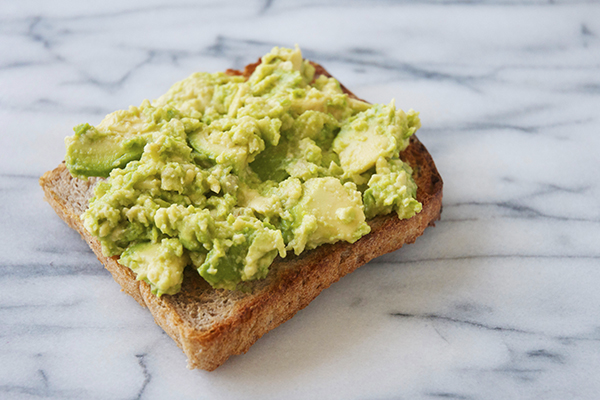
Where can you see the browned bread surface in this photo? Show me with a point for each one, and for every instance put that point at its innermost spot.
(211, 325)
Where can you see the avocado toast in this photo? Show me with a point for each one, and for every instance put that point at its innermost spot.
(212, 324)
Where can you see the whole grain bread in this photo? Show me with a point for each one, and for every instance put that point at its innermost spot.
(211, 325)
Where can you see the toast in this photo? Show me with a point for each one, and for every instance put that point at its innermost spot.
(210, 325)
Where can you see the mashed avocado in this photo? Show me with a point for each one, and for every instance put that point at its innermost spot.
(223, 174)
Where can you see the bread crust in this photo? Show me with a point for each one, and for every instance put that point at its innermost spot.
(210, 325)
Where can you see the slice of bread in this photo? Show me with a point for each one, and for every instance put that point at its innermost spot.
(211, 325)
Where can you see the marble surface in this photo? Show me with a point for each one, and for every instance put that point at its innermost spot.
(500, 300)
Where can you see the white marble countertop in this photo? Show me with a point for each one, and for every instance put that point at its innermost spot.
(500, 300)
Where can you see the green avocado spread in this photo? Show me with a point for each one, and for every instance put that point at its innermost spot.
(223, 174)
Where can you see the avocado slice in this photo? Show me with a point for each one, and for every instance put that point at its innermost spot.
(91, 152)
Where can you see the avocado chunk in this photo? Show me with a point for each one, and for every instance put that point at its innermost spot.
(94, 153)
(327, 212)
(244, 252)
(234, 142)
(271, 163)
(159, 264)
(379, 132)
(391, 188)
